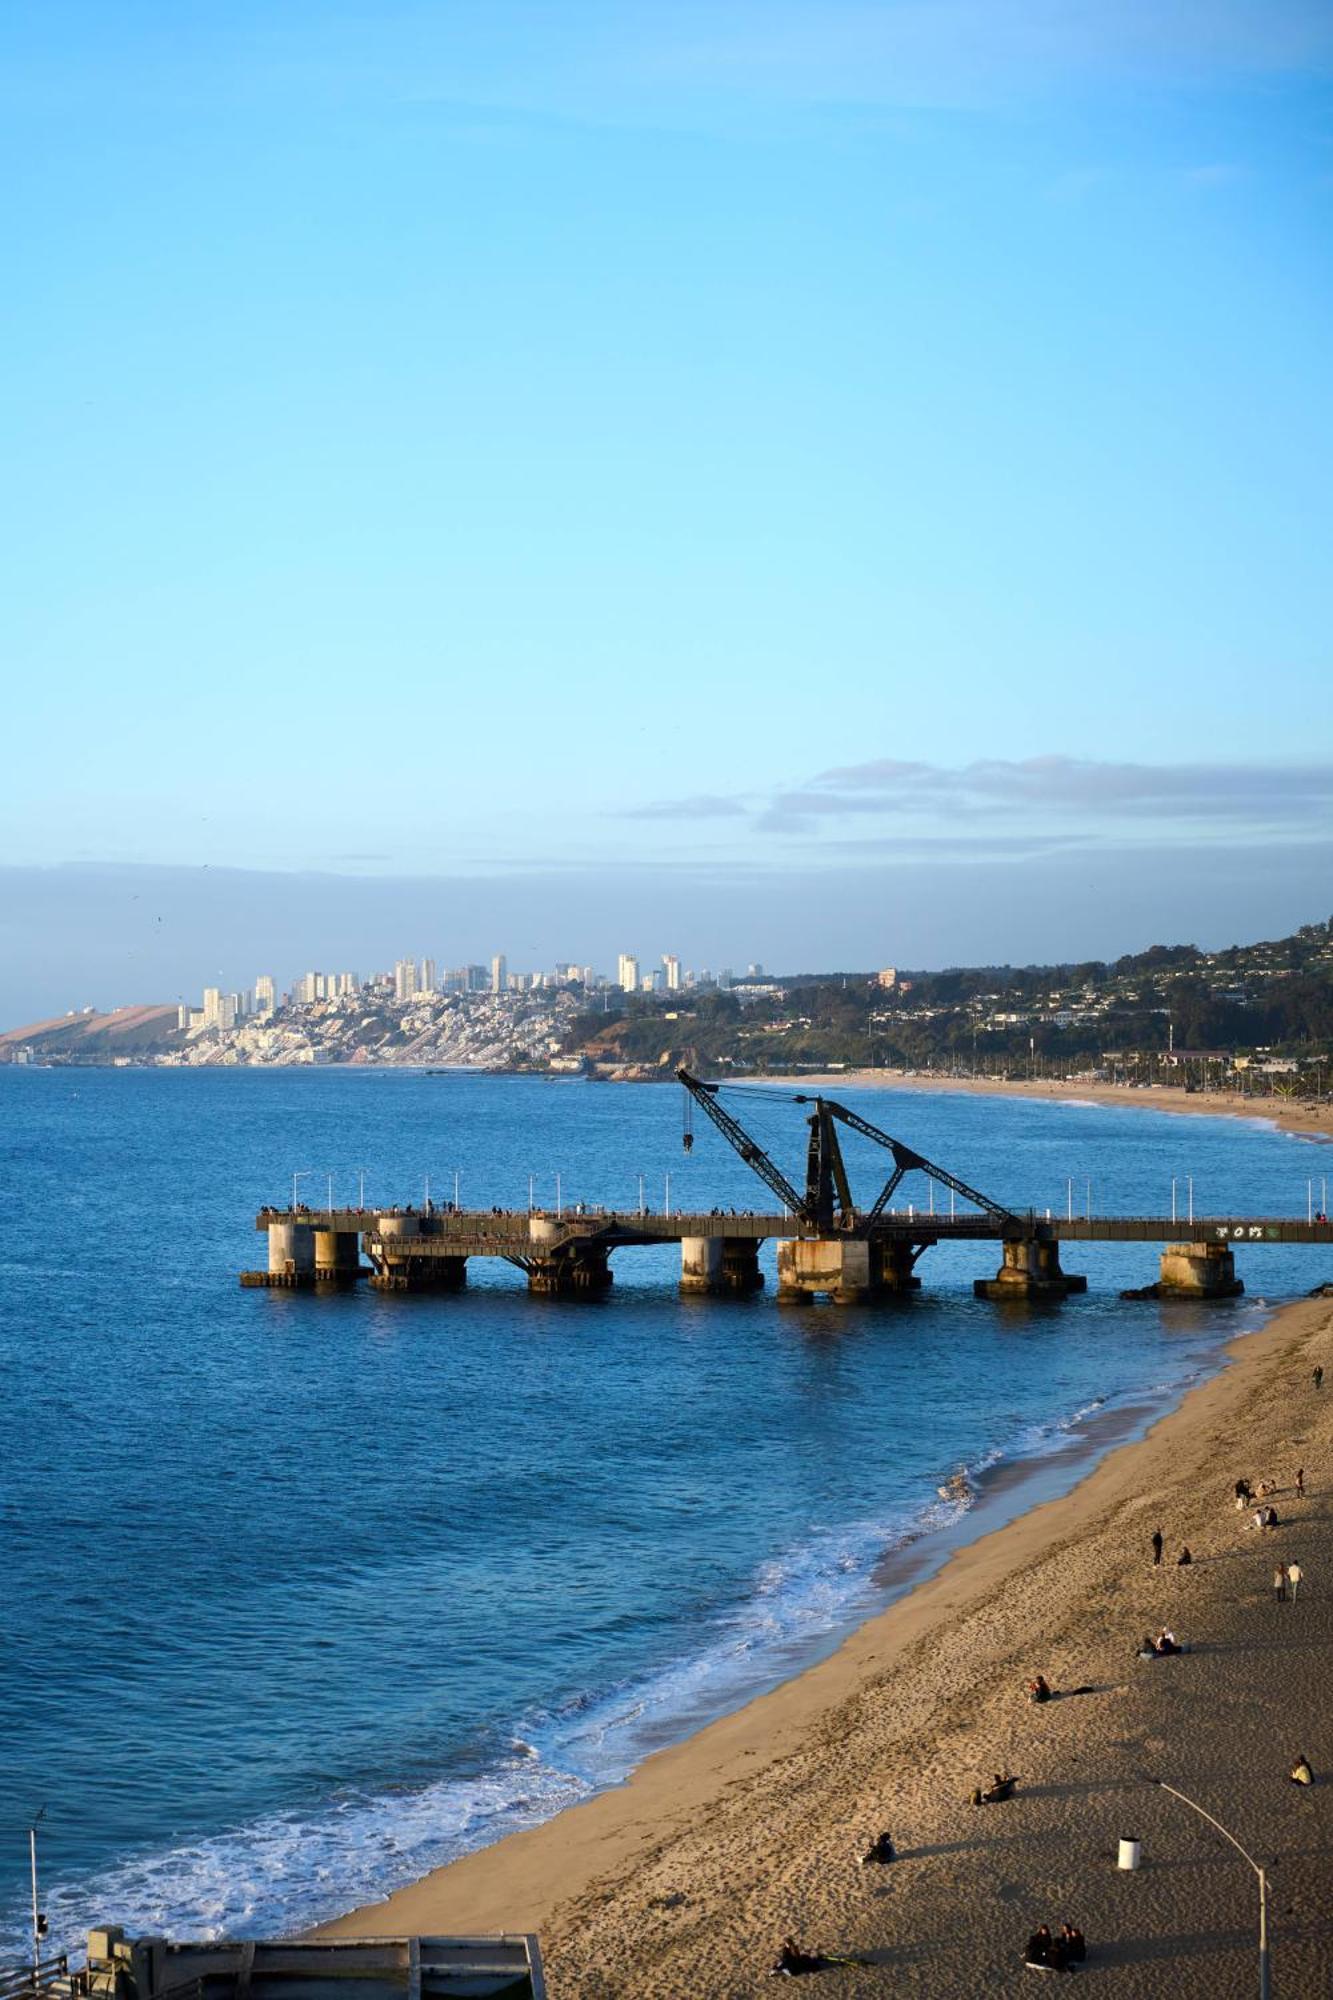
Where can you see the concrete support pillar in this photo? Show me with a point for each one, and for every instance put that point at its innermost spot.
(417, 1272)
(721, 1266)
(701, 1263)
(1198, 1271)
(850, 1270)
(291, 1251)
(741, 1274)
(579, 1271)
(1031, 1270)
(337, 1256)
(897, 1272)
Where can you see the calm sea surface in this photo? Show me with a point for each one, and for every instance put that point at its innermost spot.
(302, 1596)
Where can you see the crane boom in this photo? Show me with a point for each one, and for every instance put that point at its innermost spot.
(827, 1192)
(753, 1154)
(905, 1161)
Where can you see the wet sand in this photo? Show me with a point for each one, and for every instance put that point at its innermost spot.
(683, 1882)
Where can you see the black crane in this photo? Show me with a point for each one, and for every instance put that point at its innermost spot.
(827, 1201)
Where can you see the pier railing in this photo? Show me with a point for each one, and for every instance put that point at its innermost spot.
(47, 1976)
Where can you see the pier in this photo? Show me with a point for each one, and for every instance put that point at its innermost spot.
(411, 1250)
(828, 1246)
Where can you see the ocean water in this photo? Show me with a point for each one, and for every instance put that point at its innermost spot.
(304, 1595)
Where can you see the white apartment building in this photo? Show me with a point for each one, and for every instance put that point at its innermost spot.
(427, 981)
(499, 973)
(627, 977)
(266, 994)
(671, 965)
(405, 979)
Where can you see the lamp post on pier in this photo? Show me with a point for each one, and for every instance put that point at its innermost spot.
(301, 1174)
(1264, 1968)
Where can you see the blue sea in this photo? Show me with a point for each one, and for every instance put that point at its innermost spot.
(304, 1595)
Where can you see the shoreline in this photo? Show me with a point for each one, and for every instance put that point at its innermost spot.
(1296, 1115)
(589, 1880)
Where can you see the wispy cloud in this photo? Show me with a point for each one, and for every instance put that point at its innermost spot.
(1067, 799)
(703, 805)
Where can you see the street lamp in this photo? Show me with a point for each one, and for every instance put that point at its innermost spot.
(303, 1174)
(1194, 1806)
(38, 1920)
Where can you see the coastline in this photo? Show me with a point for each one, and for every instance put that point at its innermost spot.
(684, 1879)
(1299, 1116)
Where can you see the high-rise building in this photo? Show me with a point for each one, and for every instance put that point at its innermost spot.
(499, 973)
(404, 979)
(266, 997)
(212, 1007)
(672, 965)
(627, 977)
(427, 984)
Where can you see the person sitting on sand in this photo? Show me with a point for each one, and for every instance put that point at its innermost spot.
(1165, 1644)
(1001, 1787)
(1146, 1648)
(1300, 1772)
(1244, 1493)
(1039, 1689)
(1184, 1557)
(793, 1961)
(1270, 1517)
(1074, 1942)
(880, 1851)
(1044, 1953)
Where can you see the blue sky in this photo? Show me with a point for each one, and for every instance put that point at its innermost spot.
(671, 449)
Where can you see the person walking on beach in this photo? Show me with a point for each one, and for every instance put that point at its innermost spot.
(1157, 1548)
(1280, 1584)
(1318, 1377)
(1295, 1577)
(1300, 1482)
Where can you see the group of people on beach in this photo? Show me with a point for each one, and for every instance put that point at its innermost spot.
(1160, 1648)
(1047, 1953)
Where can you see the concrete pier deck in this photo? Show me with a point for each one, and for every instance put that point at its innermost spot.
(569, 1251)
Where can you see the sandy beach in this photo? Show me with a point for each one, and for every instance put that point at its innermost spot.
(684, 1881)
(1309, 1119)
